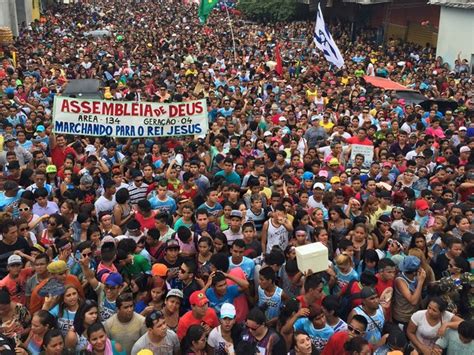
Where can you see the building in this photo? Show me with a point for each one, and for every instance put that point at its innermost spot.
(15, 13)
(456, 30)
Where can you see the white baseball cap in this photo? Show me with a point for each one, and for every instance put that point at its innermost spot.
(228, 311)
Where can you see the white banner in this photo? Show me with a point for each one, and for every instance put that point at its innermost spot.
(129, 119)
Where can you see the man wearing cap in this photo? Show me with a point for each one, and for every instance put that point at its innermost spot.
(59, 271)
(373, 312)
(423, 216)
(16, 279)
(10, 145)
(316, 200)
(315, 134)
(220, 337)
(172, 259)
(407, 289)
(200, 313)
(158, 338)
(107, 291)
(234, 231)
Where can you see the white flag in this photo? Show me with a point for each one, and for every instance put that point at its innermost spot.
(324, 41)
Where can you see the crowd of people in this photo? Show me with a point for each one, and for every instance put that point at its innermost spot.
(187, 245)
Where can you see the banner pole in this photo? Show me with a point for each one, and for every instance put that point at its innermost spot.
(231, 31)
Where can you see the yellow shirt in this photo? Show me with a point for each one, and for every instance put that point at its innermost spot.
(327, 126)
(310, 95)
(1, 143)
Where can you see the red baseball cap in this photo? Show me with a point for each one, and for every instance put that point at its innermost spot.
(422, 204)
(198, 298)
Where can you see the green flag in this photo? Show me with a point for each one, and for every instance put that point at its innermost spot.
(205, 8)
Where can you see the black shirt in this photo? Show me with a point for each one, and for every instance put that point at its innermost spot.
(7, 249)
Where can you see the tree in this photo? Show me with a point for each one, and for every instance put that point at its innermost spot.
(269, 10)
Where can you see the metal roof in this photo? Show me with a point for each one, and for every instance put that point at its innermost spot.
(460, 4)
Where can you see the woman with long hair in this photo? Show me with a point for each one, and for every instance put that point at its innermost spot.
(418, 240)
(86, 315)
(56, 224)
(204, 253)
(338, 224)
(123, 211)
(25, 209)
(425, 326)
(14, 317)
(317, 218)
(68, 210)
(371, 205)
(99, 342)
(41, 322)
(194, 343)
(65, 311)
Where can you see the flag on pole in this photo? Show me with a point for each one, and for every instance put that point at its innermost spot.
(205, 8)
(324, 41)
(279, 65)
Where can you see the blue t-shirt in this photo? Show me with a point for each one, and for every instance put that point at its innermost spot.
(319, 337)
(232, 178)
(217, 302)
(247, 265)
(344, 279)
(213, 211)
(168, 206)
(65, 320)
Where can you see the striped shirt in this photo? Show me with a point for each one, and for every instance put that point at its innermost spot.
(137, 193)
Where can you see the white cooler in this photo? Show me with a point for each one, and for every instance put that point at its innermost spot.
(312, 257)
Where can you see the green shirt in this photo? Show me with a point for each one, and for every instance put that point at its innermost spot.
(139, 265)
(454, 345)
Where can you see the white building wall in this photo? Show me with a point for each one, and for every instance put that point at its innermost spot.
(456, 34)
(8, 17)
(24, 10)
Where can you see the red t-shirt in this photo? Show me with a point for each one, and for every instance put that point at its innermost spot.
(335, 345)
(355, 140)
(58, 155)
(146, 223)
(188, 320)
(16, 287)
(303, 303)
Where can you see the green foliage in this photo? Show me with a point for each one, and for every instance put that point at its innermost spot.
(269, 10)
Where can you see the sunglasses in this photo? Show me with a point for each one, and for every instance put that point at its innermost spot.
(182, 271)
(87, 255)
(253, 329)
(355, 331)
(26, 209)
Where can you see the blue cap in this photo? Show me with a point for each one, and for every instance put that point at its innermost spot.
(112, 279)
(410, 264)
(308, 175)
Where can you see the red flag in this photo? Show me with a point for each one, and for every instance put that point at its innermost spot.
(279, 66)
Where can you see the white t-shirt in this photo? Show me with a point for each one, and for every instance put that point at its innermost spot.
(218, 343)
(425, 332)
